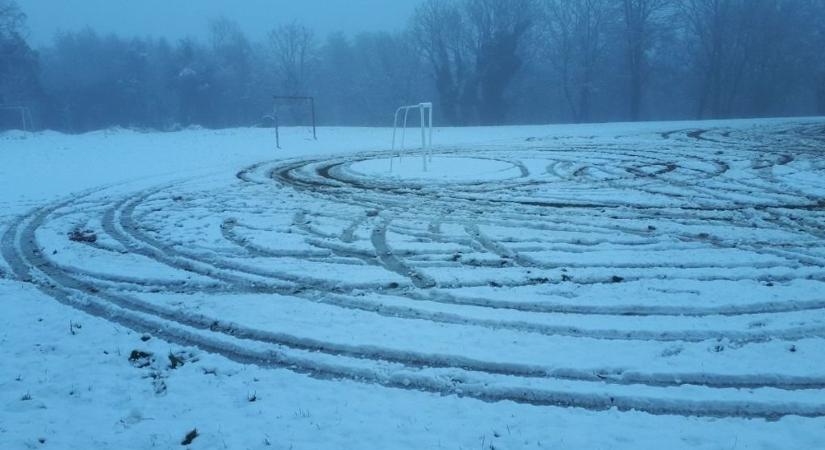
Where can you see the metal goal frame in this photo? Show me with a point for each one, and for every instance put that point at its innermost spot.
(425, 110)
(25, 113)
(296, 99)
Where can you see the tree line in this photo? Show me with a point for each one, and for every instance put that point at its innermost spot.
(483, 62)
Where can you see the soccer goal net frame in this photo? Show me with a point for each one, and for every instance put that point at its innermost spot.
(279, 100)
(425, 111)
(24, 113)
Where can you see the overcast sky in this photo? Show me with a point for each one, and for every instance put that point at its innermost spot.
(180, 18)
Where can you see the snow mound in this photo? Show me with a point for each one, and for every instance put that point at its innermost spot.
(438, 169)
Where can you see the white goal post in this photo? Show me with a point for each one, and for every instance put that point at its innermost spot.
(426, 114)
(25, 116)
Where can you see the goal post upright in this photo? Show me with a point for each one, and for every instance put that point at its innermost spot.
(296, 99)
(26, 120)
(312, 109)
(426, 122)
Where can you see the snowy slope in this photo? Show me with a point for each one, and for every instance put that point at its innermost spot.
(591, 286)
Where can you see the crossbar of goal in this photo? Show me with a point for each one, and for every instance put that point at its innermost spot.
(426, 113)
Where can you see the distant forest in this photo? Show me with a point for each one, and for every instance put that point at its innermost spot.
(483, 62)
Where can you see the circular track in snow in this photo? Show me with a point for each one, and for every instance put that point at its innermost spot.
(637, 273)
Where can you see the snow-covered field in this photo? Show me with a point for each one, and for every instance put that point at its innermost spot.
(637, 286)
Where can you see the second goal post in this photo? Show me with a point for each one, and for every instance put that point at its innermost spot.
(425, 111)
(294, 104)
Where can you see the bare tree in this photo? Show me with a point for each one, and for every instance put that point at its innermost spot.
(11, 24)
(11, 18)
(231, 73)
(18, 63)
(816, 44)
(643, 20)
(780, 55)
(577, 34)
(294, 48)
(388, 68)
(439, 30)
(720, 32)
(497, 29)
(820, 93)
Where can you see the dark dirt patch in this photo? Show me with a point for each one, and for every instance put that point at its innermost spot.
(83, 236)
(141, 359)
(190, 437)
(179, 359)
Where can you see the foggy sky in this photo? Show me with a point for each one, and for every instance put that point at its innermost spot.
(181, 18)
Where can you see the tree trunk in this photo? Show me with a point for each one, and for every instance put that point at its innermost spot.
(636, 95)
(820, 94)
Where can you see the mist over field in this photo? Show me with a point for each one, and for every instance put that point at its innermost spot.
(84, 65)
(175, 20)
